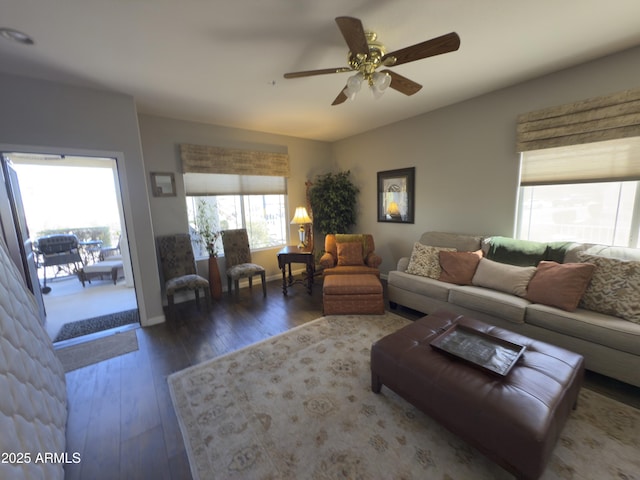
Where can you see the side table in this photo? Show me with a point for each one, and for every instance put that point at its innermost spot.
(292, 254)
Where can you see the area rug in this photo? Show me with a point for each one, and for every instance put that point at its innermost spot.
(94, 351)
(300, 405)
(97, 324)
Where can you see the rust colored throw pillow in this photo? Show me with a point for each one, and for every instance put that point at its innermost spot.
(349, 253)
(459, 267)
(560, 285)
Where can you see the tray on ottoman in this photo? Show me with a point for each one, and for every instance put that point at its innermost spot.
(492, 354)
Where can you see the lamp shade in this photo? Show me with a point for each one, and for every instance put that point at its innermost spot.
(301, 216)
(393, 209)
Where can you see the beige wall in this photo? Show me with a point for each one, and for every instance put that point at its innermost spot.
(161, 138)
(466, 164)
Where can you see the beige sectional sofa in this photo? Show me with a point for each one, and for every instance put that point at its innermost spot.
(493, 293)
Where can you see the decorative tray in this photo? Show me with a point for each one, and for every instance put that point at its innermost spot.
(491, 354)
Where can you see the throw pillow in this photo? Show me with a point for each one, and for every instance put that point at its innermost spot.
(503, 277)
(614, 287)
(349, 254)
(560, 285)
(459, 267)
(425, 260)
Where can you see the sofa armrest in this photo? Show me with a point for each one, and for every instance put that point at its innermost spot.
(403, 263)
(372, 260)
(327, 261)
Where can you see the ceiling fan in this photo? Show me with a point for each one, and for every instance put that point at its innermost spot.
(367, 55)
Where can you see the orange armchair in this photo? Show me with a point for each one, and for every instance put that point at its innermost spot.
(350, 254)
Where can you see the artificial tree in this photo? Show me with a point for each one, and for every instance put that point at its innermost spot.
(333, 202)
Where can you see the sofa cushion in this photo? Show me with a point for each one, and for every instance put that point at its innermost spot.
(516, 252)
(425, 260)
(587, 325)
(614, 287)
(499, 304)
(559, 284)
(505, 278)
(459, 267)
(421, 285)
(457, 241)
(349, 253)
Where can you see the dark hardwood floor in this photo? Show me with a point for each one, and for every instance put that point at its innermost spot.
(121, 419)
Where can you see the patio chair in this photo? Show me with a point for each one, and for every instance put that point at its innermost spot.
(59, 250)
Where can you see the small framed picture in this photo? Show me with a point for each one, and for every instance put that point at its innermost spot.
(396, 193)
(163, 184)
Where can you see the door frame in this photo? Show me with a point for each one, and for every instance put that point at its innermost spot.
(130, 257)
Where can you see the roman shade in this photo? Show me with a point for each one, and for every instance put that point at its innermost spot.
(592, 140)
(203, 184)
(224, 171)
(595, 120)
(610, 161)
(204, 159)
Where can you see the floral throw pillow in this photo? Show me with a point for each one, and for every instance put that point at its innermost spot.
(425, 260)
(614, 288)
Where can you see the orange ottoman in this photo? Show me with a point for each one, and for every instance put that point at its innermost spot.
(352, 294)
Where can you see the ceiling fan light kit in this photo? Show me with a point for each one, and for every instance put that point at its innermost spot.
(366, 55)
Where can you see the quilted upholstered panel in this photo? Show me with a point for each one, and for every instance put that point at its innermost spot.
(33, 395)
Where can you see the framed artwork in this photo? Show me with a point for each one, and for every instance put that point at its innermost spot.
(163, 184)
(396, 193)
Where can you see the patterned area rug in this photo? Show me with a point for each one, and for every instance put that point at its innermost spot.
(97, 324)
(300, 405)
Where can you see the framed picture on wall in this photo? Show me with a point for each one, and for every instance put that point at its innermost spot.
(163, 184)
(396, 193)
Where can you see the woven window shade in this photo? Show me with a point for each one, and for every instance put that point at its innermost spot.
(610, 161)
(205, 159)
(595, 120)
(203, 184)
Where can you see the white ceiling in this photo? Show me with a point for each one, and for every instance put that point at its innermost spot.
(222, 61)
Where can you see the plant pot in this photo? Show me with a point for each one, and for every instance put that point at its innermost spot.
(215, 284)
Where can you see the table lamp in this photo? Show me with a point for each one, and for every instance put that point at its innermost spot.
(301, 218)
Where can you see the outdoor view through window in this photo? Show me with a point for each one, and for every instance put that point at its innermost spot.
(69, 199)
(262, 215)
(602, 213)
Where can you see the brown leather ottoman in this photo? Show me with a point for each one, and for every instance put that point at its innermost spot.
(514, 420)
(352, 294)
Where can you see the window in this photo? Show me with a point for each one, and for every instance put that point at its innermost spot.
(583, 212)
(583, 193)
(228, 188)
(264, 217)
(580, 169)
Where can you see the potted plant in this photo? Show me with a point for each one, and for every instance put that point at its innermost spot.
(208, 237)
(333, 202)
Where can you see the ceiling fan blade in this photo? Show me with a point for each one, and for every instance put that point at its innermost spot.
(353, 33)
(403, 84)
(341, 98)
(436, 46)
(310, 73)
